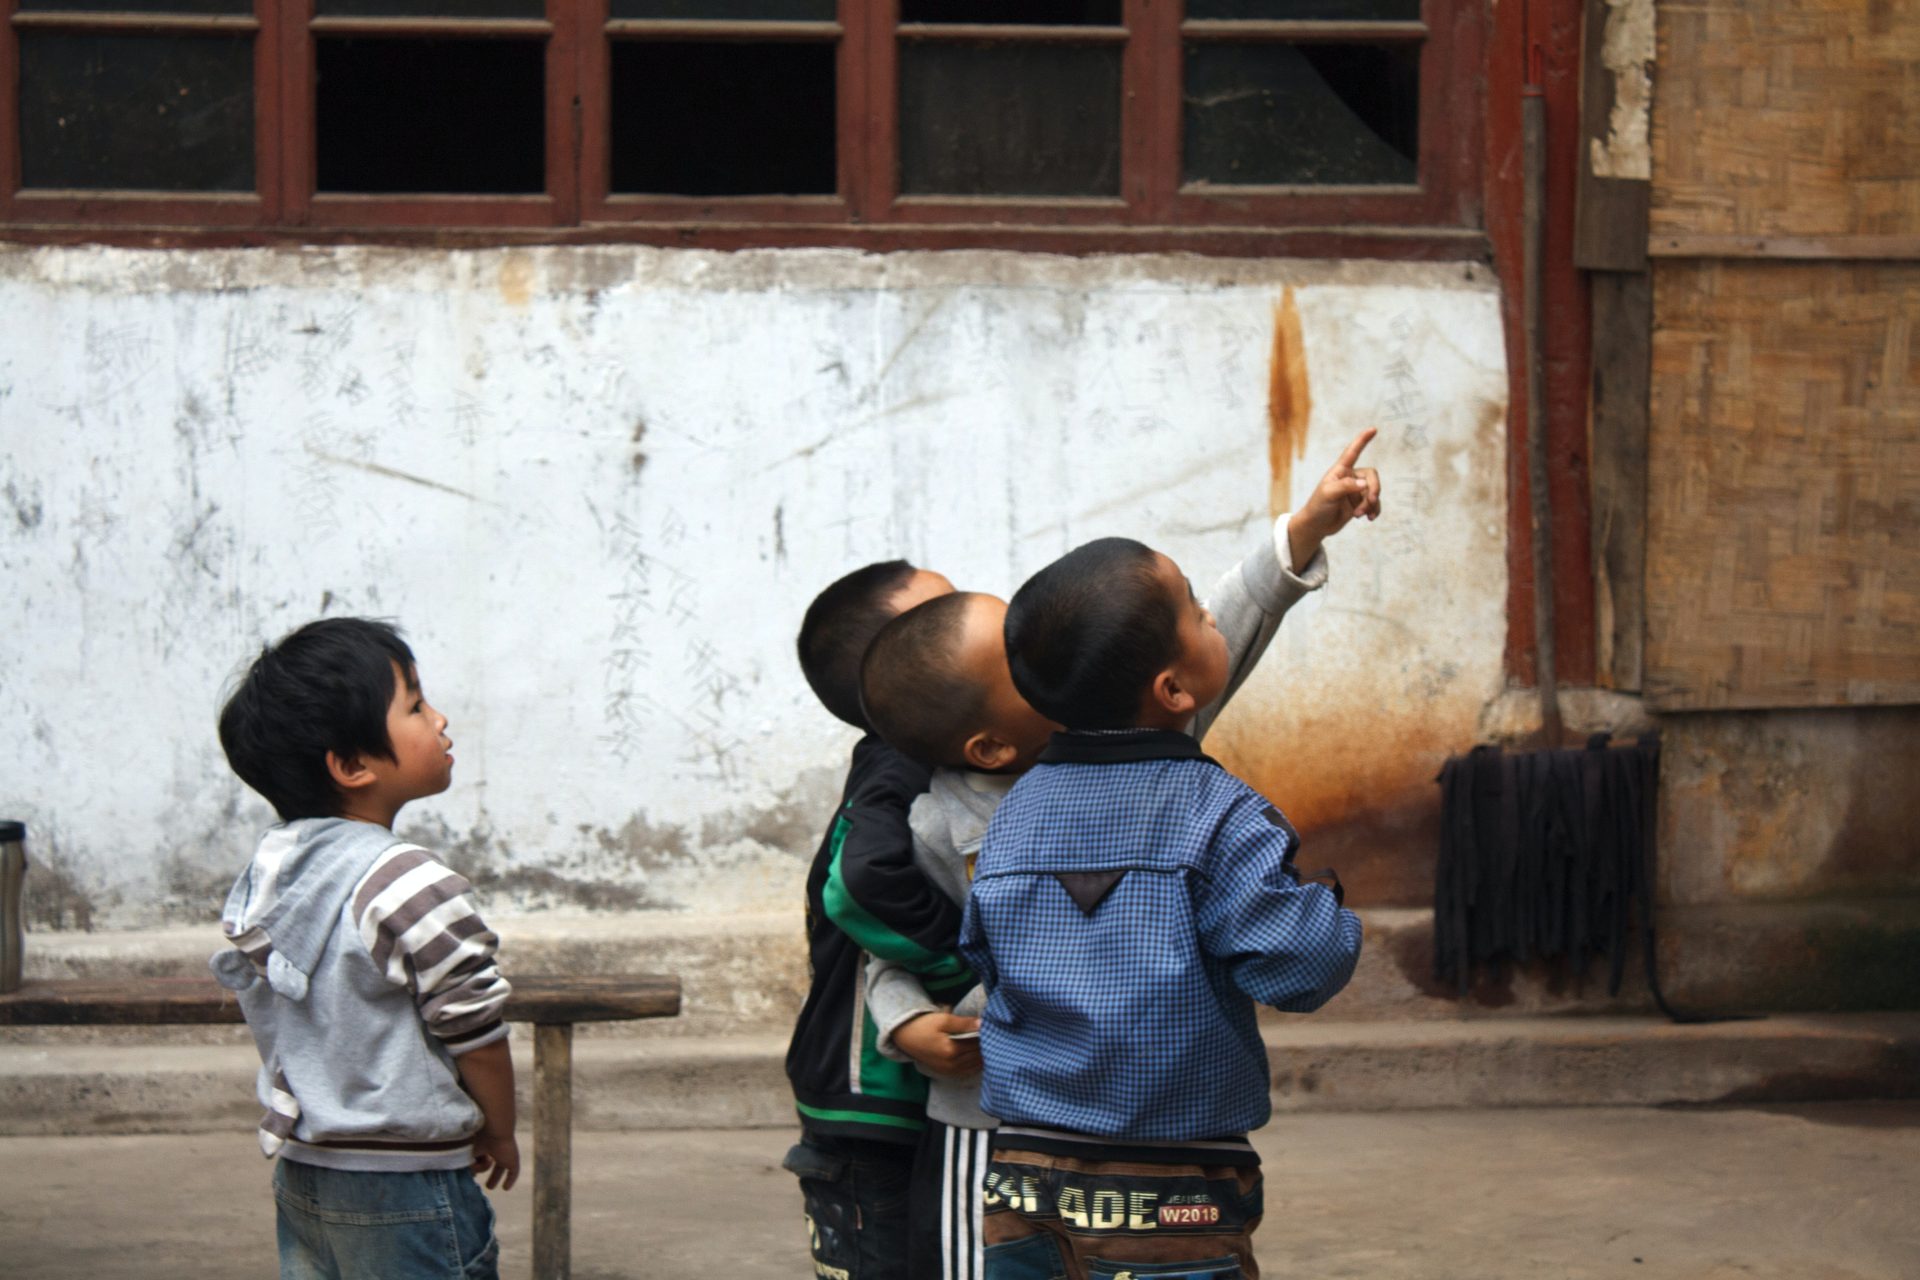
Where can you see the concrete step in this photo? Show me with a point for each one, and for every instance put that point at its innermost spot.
(1318, 1065)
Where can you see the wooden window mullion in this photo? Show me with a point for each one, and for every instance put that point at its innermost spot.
(9, 109)
(593, 63)
(881, 154)
(853, 61)
(1151, 115)
(563, 106)
(296, 123)
(267, 154)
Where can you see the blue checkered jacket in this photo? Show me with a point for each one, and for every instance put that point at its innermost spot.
(1131, 903)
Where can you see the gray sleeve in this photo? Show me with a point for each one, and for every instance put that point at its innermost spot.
(894, 997)
(1248, 603)
(894, 993)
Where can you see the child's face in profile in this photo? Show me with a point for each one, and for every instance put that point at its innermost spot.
(422, 763)
(1011, 733)
(1200, 664)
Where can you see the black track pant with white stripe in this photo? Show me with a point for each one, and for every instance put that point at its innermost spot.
(949, 1167)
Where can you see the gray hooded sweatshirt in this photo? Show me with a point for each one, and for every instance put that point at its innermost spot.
(362, 969)
(950, 820)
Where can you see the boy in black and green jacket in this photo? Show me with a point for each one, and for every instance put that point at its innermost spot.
(861, 1112)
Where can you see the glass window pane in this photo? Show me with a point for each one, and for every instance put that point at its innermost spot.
(1301, 114)
(136, 6)
(1007, 119)
(733, 10)
(136, 112)
(1055, 13)
(723, 118)
(430, 8)
(430, 116)
(1307, 10)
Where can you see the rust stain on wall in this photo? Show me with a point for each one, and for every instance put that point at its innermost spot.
(1289, 402)
(1362, 794)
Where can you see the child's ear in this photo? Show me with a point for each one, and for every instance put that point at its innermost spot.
(349, 773)
(984, 751)
(1169, 695)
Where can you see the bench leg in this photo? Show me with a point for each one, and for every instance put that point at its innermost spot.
(552, 1151)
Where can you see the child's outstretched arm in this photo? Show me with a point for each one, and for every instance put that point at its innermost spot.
(1250, 599)
(1347, 490)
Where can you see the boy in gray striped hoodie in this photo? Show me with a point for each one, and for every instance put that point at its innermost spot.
(364, 970)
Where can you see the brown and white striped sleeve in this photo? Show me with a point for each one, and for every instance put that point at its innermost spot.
(419, 922)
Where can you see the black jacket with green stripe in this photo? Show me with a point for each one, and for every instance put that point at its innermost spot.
(865, 895)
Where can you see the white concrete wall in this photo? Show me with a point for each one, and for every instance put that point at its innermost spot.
(598, 486)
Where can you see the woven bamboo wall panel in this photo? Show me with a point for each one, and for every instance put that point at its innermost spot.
(1787, 118)
(1783, 528)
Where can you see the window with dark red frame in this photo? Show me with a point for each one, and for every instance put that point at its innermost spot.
(1092, 122)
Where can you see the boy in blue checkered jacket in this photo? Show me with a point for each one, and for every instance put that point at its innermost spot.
(935, 685)
(1131, 904)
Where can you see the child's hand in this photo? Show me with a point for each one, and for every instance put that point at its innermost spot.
(497, 1156)
(1344, 492)
(928, 1040)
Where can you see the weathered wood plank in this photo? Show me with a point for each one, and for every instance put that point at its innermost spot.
(1613, 184)
(537, 998)
(1823, 248)
(1622, 370)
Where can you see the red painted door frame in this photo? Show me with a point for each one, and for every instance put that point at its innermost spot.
(1553, 28)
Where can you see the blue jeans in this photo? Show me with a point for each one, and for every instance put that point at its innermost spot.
(335, 1224)
(856, 1205)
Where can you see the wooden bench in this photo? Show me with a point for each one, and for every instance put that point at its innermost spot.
(552, 1004)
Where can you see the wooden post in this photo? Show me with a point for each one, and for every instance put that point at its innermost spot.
(552, 1150)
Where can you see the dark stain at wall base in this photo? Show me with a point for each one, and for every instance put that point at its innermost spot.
(540, 888)
(1412, 952)
(1874, 850)
(52, 897)
(1385, 855)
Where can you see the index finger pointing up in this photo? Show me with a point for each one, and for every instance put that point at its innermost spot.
(1361, 441)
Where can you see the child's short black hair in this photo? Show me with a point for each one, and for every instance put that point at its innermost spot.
(912, 688)
(840, 623)
(1087, 634)
(325, 687)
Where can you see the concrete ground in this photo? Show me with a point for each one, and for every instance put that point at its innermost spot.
(1816, 1192)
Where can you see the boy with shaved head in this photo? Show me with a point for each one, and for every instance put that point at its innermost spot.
(1131, 905)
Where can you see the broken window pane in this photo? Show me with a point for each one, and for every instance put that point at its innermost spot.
(1059, 13)
(1307, 10)
(723, 118)
(438, 116)
(136, 112)
(731, 10)
(1006, 119)
(430, 8)
(1283, 114)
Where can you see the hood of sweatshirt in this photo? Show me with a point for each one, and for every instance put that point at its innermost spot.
(292, 896)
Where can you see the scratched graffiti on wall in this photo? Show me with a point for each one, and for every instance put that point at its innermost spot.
(597, 487)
